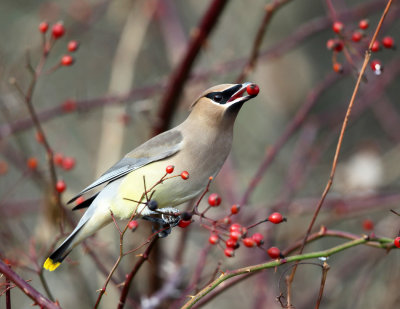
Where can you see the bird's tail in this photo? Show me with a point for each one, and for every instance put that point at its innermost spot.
(55, 259)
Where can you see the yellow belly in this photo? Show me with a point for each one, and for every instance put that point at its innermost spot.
(169, 193)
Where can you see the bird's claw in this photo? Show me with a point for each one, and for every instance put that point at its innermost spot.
(168, 220)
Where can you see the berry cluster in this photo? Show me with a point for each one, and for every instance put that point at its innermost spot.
(231, 235)
(57, 32)
(345, 39)
(66, 163)
(239, 234)
(170, 169)
(228, 236)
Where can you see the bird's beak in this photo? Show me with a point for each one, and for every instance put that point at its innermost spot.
(241, 93)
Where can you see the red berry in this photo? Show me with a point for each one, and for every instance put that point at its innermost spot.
(235, 235)
(60, 186)
(235, 227)
(253, 89)
(335, 44)
(258, 238)
(337, 67)
(231, 243)
(32, 163)
(249, 242)
(368, 225)
(58, 30)
(169, 169)
(274, 252)
(226, 220)
(330, 44)
(213, 239)
(185, 175)
(275, 218)
(39, 137)
(337, 26)
(69, 105)
(58, 159)
(132, 225)
(338, 46)
(43, 27)
(67, 60)
(68, 163)
(79, 200)
(376, 66)
(376, 46)
(235, 209)
(229, 252)
(356, 36)
(214, 200)
(397, 242)
(73, 46)
(184, 223)
(388, 42)
(363, 24)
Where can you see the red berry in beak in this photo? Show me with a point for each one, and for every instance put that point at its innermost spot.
(252, 89)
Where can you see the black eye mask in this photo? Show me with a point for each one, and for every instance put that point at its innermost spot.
(223, 96)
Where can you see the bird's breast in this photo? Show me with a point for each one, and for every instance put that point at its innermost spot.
(200, 160)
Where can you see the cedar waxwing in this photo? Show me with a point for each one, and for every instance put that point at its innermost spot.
(199, 146)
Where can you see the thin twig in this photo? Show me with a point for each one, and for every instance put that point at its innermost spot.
(325, 269)
(8, 292)
(28, 95)
(131, 275)
(26, 288)
(270, 10)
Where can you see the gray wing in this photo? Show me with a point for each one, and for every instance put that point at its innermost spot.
(159, 147)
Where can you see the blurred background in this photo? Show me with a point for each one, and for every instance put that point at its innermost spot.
(108, 102)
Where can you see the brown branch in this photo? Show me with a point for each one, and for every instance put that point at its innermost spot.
(81, 106)
(28, 96)
(270, 10)
(26, 288)
(339, 144)
(323, 232)
(180, 75)
(325, 269)
(131, 275)
(351, 204)
(8, 292)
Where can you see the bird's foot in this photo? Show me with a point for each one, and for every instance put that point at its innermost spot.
(169, 219)
(170, 216)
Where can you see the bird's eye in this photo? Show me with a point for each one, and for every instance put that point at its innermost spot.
(217, 98)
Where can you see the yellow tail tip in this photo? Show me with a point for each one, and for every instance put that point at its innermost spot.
(50, 265)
